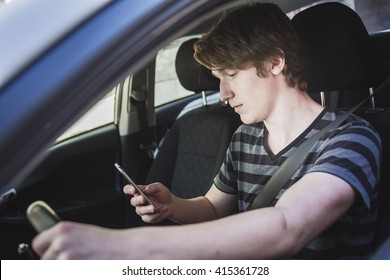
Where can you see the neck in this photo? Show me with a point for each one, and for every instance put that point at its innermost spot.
(294, 112)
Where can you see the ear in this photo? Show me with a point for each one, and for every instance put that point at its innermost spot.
(278, 65)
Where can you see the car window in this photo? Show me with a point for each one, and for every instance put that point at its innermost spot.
(167, 89)
(374, 13)
(100, 114)
(167, 86)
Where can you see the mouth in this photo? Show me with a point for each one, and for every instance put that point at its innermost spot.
(235, 107)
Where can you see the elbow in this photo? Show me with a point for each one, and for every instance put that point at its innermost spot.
(292, 239)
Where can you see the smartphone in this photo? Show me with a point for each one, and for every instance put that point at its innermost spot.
(133, 184)
(41, 216)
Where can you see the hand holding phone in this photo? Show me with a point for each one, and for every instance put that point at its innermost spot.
(134, 184)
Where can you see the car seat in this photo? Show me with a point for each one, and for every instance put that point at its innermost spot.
(194, 148)
(341, 57)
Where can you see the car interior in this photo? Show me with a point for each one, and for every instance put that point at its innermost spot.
(78, 179)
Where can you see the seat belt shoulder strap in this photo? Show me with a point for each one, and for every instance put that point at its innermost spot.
(294, 161)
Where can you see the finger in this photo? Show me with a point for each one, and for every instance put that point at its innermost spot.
(158, 216)
(127, 189)
(43, 241)
(50, 253)
(131, 190)
(138, 200)
(146, 210)
(40, 244)
(151, 188)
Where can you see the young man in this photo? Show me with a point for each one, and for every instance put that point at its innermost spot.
(329, 203)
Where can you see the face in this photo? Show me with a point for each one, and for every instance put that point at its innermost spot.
(248, 94)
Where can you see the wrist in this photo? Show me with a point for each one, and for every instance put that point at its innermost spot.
(172, 209)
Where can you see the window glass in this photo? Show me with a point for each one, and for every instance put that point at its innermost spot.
(167, 87)
(100, 114)
(374, 13)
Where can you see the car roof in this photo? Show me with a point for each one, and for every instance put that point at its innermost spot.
(44, 23)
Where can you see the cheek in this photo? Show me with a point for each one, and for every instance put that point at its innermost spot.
(255, 100)
(257, 108)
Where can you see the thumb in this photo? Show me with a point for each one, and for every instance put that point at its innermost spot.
(152, 188)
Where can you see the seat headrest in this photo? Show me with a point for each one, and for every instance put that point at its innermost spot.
(191, 74)
(337, 48)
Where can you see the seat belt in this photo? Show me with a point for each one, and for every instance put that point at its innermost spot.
(146, 140)
(146, 143)
(294, 161)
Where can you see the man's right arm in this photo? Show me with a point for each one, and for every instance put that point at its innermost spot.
(215, 204)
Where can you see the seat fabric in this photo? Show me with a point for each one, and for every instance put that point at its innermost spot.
(193, 150)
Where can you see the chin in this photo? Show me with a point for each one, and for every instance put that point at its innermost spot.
(248, 120)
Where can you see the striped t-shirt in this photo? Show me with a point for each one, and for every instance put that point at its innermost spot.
(352, 152)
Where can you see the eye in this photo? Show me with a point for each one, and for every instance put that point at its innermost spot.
(232, 75)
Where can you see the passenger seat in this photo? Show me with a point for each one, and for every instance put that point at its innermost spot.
(194, 148)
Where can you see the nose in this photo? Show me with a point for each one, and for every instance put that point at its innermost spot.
(225, 92)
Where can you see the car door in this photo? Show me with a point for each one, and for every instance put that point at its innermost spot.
(77, 179)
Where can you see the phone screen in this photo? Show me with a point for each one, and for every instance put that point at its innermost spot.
(132, 183)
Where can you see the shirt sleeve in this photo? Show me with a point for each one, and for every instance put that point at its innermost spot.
(353, 153)
(226, 180)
